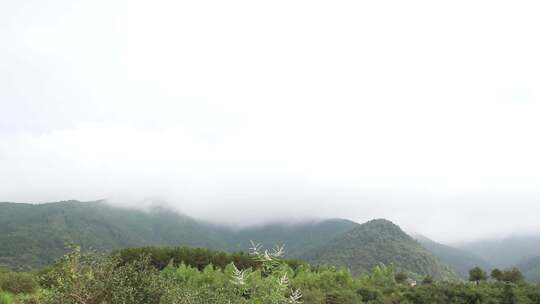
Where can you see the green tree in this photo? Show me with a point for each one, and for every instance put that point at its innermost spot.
(401, 277)
(427, 280)
(477, 274)
(496, 274)
(508, 294)
(90, 278)
(513, 275)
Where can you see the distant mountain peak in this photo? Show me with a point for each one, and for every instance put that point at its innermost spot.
(382, 223)
(379, 241)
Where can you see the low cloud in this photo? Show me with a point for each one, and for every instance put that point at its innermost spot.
(245, 113)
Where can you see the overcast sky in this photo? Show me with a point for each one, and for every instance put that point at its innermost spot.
(423, 112)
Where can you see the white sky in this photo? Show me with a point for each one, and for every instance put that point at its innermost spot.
(423, 112)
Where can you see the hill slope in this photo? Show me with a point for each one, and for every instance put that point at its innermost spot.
(460, 260)
(507, 252)
(379, 241)
(35, 235)
(298, 238)
(530, 269)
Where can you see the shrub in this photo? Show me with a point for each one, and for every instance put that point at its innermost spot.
(17, 282)
(91, 278)
(28, 299)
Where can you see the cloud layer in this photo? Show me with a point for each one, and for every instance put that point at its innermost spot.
(423, 112)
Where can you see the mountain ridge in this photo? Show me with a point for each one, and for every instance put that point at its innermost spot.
(380, 241)
(39, 233)
(460, 260)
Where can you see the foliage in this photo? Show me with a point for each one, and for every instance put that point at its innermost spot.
(17, 282)
(510, 276)
(427, 280)
(401, 277)
(91, 278)
(496, 274)
(268, 284)
(5, 298)
(477, 274)
(162, 256)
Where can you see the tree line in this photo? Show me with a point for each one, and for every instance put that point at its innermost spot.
(180, 275)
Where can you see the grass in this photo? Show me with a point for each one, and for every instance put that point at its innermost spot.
(5, 298)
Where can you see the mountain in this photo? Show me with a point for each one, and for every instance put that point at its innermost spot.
(298, 238)
(379, 241)
(34, 235)
(461, 261)
(506, 252)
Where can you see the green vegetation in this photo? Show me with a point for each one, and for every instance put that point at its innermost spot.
(17, 282)
(124, 258)
(459, 260)
(300, 238)
(509, 276)
(477, 275)
(191, 278)
(5, 298)
(160, 257)
(37, 234)
(380, 241)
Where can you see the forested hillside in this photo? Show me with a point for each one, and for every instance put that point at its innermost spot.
(299, 238)
(380, 241)
(460, 260)
(37, 234)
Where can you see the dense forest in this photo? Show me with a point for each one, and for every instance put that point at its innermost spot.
(127, 256)
(37, 234)
(180, 275)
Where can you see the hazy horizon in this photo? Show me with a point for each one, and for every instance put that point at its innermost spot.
(421, 112)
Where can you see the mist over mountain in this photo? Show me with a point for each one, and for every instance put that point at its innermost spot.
(38, 235)
(505, 252)
(146, 144)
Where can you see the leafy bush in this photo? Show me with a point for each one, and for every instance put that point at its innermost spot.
(17, 282)
(268, 284)
(90, 278)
